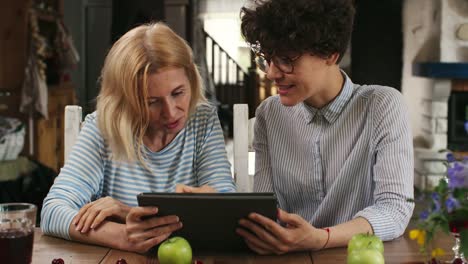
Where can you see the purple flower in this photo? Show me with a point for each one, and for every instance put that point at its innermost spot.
(458, 176)
(436, 206)
(451, 204)
(465, 160)
(436, 200)
(424, 214)
(456, 181)
(450, 157)
(466, 126)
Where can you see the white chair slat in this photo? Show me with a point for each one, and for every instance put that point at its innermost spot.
(72, 126)
(244, 158)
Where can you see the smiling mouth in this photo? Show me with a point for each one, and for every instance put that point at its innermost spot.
(173, 124)
(284, 89)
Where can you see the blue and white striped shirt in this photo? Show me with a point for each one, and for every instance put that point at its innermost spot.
(196, 156)
(351, 158)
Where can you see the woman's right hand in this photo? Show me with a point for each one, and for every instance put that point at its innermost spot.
(143, 230)
(182, 188)
(94, 213)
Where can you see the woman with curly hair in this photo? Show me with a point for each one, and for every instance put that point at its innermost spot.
(337, 154)
(152, 132)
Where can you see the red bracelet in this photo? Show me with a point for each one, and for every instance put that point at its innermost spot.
(328, 237)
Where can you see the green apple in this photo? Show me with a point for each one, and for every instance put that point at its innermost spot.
(365, 256)
(175, 250)
(365, 241)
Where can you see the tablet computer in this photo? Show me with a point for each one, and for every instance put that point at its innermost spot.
(210, 219)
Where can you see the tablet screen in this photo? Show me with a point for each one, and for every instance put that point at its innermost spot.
(210, 219)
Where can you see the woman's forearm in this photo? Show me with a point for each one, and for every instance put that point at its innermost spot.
(109, 234)
(342, 233)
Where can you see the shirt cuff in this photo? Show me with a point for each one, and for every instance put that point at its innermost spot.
(382, 223)
(59, 221)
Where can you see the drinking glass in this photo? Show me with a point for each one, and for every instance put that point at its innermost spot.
(456, 226)
(17, 222)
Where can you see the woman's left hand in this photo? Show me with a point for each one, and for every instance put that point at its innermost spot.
(182, 188)
(266, 236)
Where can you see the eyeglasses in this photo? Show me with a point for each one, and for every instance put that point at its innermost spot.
(283, 63)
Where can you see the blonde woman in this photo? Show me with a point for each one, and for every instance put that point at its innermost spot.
(152, 132)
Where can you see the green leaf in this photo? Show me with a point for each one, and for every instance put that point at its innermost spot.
(429, 236)
(464, 241)
(445, 228)
(442, 187)
(460, 194)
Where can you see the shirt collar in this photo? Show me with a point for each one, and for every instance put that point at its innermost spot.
(333, 109)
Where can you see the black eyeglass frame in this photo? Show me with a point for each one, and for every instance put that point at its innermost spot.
(283, 63)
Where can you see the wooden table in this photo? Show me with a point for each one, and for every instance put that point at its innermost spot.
(401, 250)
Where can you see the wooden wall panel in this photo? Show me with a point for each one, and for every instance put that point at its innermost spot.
(50, 139)
(13, 54)
(47, 134)
(13, 43)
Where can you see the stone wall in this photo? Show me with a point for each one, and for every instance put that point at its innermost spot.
(419, 30)
(453, 45)
(434, 31)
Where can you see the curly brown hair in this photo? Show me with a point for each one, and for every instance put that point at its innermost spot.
(321, 27)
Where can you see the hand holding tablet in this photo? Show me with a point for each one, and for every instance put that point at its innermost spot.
(210, 219)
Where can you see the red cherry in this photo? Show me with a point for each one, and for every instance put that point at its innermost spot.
(58, 261)
(121, 261)
(432, 261)
(457, 261)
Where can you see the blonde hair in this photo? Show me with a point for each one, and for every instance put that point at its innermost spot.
(122, 109)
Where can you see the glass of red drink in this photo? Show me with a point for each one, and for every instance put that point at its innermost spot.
(17, 222)
(456, 226)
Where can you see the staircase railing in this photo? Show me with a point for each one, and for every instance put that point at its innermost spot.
(232, 84)
(226, 73)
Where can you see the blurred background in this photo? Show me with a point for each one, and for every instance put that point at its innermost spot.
(51, 53)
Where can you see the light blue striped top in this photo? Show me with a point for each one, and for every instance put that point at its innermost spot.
(351, 158)
(196, 156)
